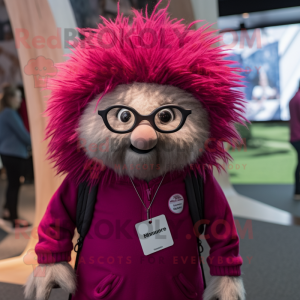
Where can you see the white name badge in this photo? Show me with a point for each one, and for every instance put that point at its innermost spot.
(154, 236)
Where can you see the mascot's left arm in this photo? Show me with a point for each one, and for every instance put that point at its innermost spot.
(224, 259)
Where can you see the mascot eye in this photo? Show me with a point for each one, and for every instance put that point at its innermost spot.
(124, 115)
(166, 115)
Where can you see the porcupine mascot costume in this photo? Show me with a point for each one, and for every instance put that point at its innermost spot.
(135, 109)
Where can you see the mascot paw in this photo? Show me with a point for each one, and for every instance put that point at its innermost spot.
(45, 277)
(225, 288)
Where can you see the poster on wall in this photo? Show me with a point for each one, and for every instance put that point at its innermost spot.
(269, 60)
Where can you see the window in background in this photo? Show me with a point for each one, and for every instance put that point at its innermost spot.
(88, 12)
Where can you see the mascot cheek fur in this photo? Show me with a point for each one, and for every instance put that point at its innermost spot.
(152, 63)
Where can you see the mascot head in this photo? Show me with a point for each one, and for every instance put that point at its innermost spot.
(142, 99)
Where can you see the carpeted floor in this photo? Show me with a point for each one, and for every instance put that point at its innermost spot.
(271, 268)
(15, 292)
(279, 195)
(10, 245)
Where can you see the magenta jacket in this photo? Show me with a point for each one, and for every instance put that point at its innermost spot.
(112, 264)
(294, 106)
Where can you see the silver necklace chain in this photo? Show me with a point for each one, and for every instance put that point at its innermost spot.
(152, 198)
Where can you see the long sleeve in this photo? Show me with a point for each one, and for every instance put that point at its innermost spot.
(56, 229)
(17, 126)
(220, 232)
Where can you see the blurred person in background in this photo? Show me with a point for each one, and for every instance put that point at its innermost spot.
(28, 165)
(14, 144)
(295, 136)
(23, 108)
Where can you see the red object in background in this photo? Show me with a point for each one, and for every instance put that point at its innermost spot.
(23, 113)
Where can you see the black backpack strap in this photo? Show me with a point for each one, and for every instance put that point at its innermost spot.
(85, 207)
(86, 199)
(195, 193)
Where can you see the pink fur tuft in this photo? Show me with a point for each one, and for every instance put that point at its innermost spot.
(152, 49)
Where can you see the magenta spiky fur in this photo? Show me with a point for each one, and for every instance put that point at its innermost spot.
(120, 53)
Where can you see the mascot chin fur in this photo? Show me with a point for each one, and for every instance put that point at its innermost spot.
(137, 108)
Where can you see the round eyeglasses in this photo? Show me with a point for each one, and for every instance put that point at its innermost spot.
(124, 119)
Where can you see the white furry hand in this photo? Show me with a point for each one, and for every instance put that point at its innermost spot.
(45, 277)
(225, 288)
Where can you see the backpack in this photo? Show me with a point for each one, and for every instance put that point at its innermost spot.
(86, 199)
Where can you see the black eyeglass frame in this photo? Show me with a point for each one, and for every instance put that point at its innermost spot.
(149, 118)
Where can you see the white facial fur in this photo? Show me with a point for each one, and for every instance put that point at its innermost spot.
(173, 151)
